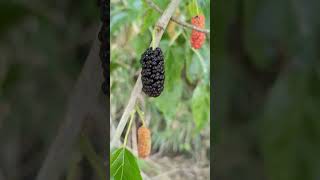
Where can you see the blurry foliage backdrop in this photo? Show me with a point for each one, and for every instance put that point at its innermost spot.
(266, 89)
(179, 117)
(43, 46)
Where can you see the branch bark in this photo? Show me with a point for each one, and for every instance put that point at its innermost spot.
(159, 30)
(176, 19)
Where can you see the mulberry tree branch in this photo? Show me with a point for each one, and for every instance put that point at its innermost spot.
(176, 20)
(159, 30)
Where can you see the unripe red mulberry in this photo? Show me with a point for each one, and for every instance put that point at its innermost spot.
(197, 38)
(144, 142)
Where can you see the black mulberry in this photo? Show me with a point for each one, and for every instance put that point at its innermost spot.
(152, 74)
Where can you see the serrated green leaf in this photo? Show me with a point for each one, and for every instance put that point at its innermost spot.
(200, 106)
(124, 165)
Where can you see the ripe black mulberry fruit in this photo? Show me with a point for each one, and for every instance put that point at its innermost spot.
(152, 74)
(144, 142)
(197, 38)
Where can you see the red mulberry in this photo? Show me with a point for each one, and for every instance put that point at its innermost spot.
(152, 74)
(144, 142)
(197, 38)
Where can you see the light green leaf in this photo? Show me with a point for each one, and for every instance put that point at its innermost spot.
(192, 9)
(201, 106)
(149, 19)
(168, 101)
(193, 68)
(122, 18)
(124, 165)
(173, 84)
(173, 66)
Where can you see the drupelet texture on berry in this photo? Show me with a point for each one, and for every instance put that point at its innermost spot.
(152, 74)
(197, 37)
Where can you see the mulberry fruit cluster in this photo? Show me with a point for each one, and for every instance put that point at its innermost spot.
(104, 45)
(152, 74)
(144, 142)
(197, 38)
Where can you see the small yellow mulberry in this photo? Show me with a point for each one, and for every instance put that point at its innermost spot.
(144, 142)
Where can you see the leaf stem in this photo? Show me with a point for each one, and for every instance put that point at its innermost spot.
(128, 130)
(153, 39)
(141, 114)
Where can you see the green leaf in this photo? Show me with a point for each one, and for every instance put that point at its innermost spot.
(173, 84)
(200, 106)
(162, 3)
(124, 165)
(173, 66)
(193, 68)
(117, 20)
(122, 18)
(169, 108)
(113, 66)
(149, 19)
(192, 9)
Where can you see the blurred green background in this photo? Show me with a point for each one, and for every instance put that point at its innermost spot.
(43, 46)
(179, 117)
(266, 89)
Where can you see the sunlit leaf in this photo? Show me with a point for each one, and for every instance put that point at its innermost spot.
(149, 19)
(124, 165)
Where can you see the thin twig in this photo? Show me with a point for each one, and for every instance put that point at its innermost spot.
(176, 19)
(159, 30)
(123, 121)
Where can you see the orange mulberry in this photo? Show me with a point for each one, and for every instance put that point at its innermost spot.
(197, 38)
(144, 142)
